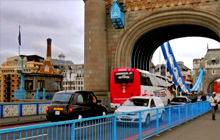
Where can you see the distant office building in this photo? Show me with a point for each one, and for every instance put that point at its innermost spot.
(186, 72)
(73, 74)
(10, 74)
(73, 77)
(48, 77)
(39, 73)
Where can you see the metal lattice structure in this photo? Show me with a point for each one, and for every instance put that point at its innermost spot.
(176, 73)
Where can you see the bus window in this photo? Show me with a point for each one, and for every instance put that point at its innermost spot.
(145, 80)
(124, 77)
(152, 104)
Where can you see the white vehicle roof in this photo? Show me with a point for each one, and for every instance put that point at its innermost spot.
(180, 97)
(143, 97)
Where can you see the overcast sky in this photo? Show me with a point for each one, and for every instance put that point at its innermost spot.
(63, 22)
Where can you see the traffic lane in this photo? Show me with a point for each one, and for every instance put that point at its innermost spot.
(23, 124)
(92, 129)
(96, 129)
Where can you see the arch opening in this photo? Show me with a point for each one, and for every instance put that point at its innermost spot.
(214, 86)
(146, 45)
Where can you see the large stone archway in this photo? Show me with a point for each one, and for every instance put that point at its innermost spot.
(107, 48)
(184, 18)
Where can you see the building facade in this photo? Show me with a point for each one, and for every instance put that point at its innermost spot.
(147, 25)
(10, 74)
(211, 64)
(186, 72)
(73, 77)
(47, 74)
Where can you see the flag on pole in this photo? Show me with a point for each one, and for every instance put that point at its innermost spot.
(19, 36)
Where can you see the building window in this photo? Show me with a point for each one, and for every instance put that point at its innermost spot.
(213, 72)
(29, 84)
(40, 84)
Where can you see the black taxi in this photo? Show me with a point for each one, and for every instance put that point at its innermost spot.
(67, 105)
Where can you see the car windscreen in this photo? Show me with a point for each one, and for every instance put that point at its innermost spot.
(61, 97)
(179, 100)
(136, 102)
(124, 77)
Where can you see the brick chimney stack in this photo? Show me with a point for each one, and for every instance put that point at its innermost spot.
(49, 48)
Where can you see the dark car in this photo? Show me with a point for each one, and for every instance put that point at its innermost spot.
(67, 105)
(180, 100)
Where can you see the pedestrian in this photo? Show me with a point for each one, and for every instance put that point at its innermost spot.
(203, 97)
(213, 102)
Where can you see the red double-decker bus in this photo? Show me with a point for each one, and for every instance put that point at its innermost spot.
(128, 82)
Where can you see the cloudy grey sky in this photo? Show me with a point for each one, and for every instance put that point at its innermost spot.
(63, 22)
(60, 20)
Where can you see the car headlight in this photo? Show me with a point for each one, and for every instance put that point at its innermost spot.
(116, 111)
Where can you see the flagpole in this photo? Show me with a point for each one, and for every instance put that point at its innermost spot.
(19, 41)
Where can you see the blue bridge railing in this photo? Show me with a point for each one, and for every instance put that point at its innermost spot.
(110, 127)
(22, 109)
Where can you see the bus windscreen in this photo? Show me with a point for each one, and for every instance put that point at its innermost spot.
(124, 77)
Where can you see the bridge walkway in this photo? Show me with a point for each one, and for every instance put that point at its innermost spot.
(201, 128)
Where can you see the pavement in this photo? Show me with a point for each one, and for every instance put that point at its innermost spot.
(201, 128)
(21, 120)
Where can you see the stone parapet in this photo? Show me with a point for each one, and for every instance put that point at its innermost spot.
(133, 5)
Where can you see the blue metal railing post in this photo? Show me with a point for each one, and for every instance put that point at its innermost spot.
(203, 107)
(191, 109)
(37, 108)
(179, 115)
(193, 113)
(169, 117)
(114, 128)
(140, 126)
(1, 110)
(41, 108)
(186, 112)
(20, 110)
(73, 131)
(44, 94)
(157, 121)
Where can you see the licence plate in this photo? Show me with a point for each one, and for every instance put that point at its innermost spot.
(57, 112)
(125, 117)
(58, 109)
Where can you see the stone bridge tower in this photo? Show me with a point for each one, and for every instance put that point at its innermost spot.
(147, 24)
(211, 65)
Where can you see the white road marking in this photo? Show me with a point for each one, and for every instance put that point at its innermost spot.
(32, 137)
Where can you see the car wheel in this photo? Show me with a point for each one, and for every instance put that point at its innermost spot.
(162, 117)
(147, 121)
(80, 116)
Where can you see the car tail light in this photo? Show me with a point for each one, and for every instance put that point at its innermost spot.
(47, 109)
(71, 109)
